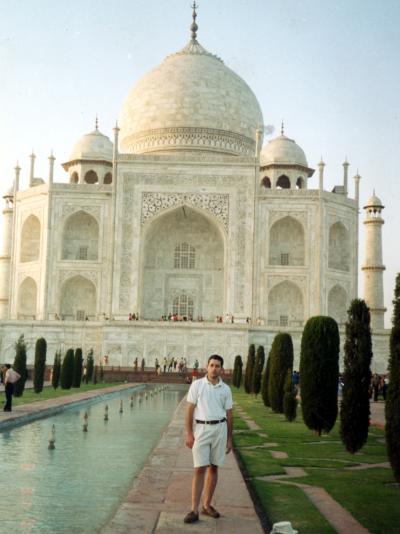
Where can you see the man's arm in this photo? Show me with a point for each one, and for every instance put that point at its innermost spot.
(189, 425)
(229, 422)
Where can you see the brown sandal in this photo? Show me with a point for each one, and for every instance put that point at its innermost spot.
(191, 517)
(211, 512)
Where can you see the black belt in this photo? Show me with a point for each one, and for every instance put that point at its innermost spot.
(215, 422)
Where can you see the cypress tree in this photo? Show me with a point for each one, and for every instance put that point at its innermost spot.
(281, 356)
(354, 410)
(265, 382)
(258, 369)
(319, 372)
(89, 366)
(101, 374)
(95, 375)
(40, 364)
(392, 407)
(248, 375)
(78, 360)
(67, 370)
(142, 365)
(237, 372)
(20, 366)
(289, 397)
(55, 380)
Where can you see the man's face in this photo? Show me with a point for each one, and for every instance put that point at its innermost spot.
(214, 369)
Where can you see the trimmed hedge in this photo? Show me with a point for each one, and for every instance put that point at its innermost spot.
(319, 373)
(67, 370)
(55, 379)
(354, 409)
(392, 408)
(237, 372)
(265, 382)
(289, 398)
(258, 369)
(39, 365)
(281, 356)
(78, 361)
(248, 375)
(19, 365)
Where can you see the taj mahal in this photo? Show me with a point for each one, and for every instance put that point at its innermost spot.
(189, 222)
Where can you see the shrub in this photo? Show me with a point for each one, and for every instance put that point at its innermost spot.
(142, 365)
(39, 365)
(354, 409)
(237, 372)
(89, 366)
(248, 375)
(95, 375)
(20, 366)
(258, 369)
(289, 397)
(78, 360)
(67, 370)
(319, 372)
(392, 408)
(265, 382)
(55, 379)
(281, 356)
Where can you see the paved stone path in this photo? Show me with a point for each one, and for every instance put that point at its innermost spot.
(377, 414)
(160, 495)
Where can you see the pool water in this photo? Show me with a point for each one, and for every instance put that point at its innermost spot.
(77, 487)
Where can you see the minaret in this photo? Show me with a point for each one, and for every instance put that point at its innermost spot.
(5, 253)
(373, 267)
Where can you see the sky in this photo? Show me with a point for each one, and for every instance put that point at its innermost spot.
(329, 69)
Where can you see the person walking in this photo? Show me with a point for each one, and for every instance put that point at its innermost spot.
(210, 406)
(10, 377)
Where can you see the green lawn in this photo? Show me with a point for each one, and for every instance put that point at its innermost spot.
(50, 393)
(369, 495)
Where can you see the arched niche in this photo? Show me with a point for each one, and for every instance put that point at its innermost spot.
(286, 242)
(30, 240)
(266, 182)
(300, 183)
(337, 304)
(108, 178)
(285, 305)
(78, 299)
(283, 182)
(74, 178)
(339, 247)
(91, 177)
(163, 277)
(27, 299)
(80, 237)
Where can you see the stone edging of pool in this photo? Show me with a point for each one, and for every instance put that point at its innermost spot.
(33, 411)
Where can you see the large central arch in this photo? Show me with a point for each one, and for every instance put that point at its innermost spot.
(182, 261)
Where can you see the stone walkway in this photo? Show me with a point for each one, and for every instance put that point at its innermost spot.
(160, 496)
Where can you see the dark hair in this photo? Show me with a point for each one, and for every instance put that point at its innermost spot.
(216, 357)
(7, 365)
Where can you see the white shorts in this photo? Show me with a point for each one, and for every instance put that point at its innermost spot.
(209, 444)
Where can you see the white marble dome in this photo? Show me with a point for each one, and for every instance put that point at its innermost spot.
(282, 150)
(192, 101)
(374, 202)
(92, 146)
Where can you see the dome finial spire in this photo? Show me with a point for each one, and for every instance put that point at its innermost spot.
(96, 123)
(194, 27)
(282, 128)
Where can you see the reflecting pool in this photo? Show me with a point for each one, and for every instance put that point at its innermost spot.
(76, 487)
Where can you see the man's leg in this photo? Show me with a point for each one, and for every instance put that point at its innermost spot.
(8, 391)
(197, 486)
(210, 484)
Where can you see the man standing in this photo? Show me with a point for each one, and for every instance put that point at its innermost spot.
(210, 405)
(10, 378)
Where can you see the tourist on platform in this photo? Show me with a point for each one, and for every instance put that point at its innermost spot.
(165, 363)
(210, 407)
(375, 386)
(175, 363)
(10, 378)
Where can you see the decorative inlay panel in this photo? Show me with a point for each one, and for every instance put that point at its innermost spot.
(299, 281)
(89, 275)
(275, 215)
(69, 209)
(217, 204)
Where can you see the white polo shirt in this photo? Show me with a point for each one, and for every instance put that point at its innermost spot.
(211, 400)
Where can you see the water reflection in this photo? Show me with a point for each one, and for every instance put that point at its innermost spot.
(76, 487)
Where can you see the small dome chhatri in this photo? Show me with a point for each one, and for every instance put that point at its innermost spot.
(284, 151)
(93, 146)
